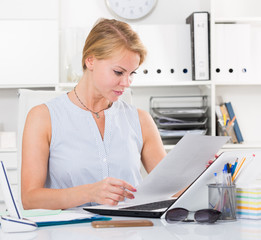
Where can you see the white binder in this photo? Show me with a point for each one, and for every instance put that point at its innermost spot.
(233, 53)
(168, 56)
(200, 45)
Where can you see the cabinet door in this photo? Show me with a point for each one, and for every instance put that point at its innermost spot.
(28, 52)
(29, 9)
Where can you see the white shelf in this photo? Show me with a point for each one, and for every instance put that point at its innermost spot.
(238, 83)
(252, 20)
(8, 86)
(245, 145)
(5, 150)
(182, 83)
(66, 85)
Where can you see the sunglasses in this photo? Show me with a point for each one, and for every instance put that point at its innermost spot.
(201, 216)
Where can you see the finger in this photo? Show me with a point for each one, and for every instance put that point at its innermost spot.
(129, 187)
(122, 192)
(108, 201)
(115, 197)
(128, 195)
(123, 184)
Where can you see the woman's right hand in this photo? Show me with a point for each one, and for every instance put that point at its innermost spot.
(111, 191)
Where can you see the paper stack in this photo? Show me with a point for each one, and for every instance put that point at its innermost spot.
(248, 201)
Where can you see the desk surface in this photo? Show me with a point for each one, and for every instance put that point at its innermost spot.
(240, 229)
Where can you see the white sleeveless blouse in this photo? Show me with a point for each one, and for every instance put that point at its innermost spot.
(79, 155)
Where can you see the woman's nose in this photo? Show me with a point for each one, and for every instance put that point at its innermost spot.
(126, 81)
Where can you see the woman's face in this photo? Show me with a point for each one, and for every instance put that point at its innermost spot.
(113, 75)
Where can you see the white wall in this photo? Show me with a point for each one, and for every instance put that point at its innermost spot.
(82, 13)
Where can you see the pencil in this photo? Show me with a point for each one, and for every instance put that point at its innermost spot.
(234, 167)
(238, 168)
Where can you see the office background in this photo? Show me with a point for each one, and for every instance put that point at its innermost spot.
(40, 39)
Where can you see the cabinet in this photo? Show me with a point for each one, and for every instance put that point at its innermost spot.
(29, 58)
(243, 89)
(29, 52)
(29, 43)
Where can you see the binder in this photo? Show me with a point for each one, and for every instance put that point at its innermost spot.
(233, 53)
(236, 126)
(200, 45)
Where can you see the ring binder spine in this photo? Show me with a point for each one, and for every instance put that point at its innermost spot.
(200, 45)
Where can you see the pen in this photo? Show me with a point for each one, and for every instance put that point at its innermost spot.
(229, 181)
(227, 122)
(225, 179)
(234, 167)
(216, 178)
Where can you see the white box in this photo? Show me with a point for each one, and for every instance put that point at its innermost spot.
(7, 139)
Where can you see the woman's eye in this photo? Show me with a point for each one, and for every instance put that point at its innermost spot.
(118, 73)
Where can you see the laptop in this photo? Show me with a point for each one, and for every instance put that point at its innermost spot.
(183, 167)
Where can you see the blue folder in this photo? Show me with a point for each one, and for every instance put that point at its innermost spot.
(84, 220)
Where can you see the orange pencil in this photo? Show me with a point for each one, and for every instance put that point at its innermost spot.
(238, 168)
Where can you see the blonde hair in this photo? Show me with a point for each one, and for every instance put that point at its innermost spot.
(107, 37)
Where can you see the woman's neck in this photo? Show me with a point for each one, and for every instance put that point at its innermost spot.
(89, 95)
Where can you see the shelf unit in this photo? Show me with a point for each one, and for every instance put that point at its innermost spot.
(241, 94)
(29, 58)
(244, 95)
(221, 12)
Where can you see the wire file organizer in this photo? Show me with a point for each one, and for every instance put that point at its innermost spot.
(176, 116)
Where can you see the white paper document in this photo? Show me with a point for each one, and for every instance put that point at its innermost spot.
(42, 215)
(182, 165)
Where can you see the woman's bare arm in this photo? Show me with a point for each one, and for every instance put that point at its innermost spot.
(153, 150)
(35, 154)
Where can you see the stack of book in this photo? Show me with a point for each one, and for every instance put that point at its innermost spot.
(248, 200)
(177, 116)
(227, 124)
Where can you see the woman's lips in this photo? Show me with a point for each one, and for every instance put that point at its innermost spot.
(118, 93)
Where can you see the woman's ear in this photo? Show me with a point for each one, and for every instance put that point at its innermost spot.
(89, 62)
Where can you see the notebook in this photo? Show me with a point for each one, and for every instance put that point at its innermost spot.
(183, 167)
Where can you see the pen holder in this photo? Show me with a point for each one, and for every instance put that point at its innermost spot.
(222, 198)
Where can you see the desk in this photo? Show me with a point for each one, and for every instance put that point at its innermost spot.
(240, 229)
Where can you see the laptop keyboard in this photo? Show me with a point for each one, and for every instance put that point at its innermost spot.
(152, 206)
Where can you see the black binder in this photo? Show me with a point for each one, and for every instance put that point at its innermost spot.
(200, 45)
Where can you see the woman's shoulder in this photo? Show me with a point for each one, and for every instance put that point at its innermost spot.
(145, 117)
(121, 104)
(39, 112)
(60, 99)
(42, 110)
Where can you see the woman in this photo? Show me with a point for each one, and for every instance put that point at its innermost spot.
(87, 146)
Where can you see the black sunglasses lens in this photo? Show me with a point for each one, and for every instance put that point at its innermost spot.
(207, 215)
(176, 214)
